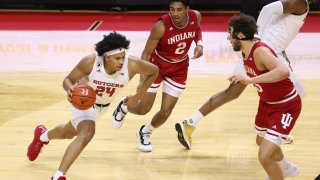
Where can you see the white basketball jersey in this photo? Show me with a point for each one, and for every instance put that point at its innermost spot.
(280, 30)
(107, 86)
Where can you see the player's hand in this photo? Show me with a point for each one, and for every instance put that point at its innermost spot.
(131, 100)
(69, 92)
(198, 52)
(240, 78)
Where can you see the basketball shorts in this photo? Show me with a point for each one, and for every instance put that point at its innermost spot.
(90, 114)
(173, 76)
(275, 121)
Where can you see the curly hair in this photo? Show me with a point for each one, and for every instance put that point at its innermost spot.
(110, 42)
(245, 24)
(184, 2)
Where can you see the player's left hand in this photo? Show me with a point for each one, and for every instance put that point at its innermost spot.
(198, 52)
(240, 78)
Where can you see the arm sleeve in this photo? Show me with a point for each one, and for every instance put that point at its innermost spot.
(275, 8)
(199, 36)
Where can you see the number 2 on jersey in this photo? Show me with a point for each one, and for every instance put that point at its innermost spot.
(108, 90)
(180, 48)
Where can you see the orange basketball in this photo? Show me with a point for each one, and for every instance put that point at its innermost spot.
(83, 96)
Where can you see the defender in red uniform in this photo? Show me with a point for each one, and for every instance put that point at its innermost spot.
(279, 105)
(167, 47)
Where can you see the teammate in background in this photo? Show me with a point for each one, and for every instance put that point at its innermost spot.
(167, 47)
(107, 71)
(284, 23)
(279, 104)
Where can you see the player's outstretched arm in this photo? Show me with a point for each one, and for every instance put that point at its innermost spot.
(146, 69)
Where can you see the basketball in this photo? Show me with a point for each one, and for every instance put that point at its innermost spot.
(83, 96)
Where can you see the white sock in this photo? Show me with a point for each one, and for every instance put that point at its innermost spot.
(124, 108)
(58, 174)
(195, 118)
(148, 128)
(44, 136)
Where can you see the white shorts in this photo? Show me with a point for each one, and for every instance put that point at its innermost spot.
(274, 139)
(167, 88)
(90, 114)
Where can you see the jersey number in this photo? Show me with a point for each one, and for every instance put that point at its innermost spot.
(108, 90)
(180, 48)
(258, 87)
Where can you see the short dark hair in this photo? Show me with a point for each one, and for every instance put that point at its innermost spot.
(245, 24)
(111, 42)
(184, 2)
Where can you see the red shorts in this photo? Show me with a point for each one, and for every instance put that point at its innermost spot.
(277, 120)
(173, 74)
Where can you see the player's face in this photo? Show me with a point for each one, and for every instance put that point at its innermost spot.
(178, 13)
(236, 45)
(115, 62)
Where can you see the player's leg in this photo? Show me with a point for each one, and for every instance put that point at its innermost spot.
(85, 132)
(173, 86)
(42, 136)
(167, 105)
(143, 107)
(268, 154)
(82, 125)
(185, 128)
(63, 131)
(280, 123)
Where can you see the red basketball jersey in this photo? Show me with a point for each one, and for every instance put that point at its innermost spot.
(176, 41)
(268, 92)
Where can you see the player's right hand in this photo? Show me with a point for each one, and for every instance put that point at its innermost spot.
(69, 92)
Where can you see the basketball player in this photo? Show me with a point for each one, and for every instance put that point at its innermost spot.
(284, 19)
(107, 71)
(280, 103)
(167, 47)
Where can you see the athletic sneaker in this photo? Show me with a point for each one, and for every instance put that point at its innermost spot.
(290, 170)
(144, 138)
(36, 145)
(118, 115)
(289, 140)
(185, 131)
(60, 178)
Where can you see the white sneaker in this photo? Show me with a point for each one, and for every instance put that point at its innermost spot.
(289, 140)
(144, 138)
(290, 170)
(118, 115)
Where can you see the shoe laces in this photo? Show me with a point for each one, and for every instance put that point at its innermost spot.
(145, 138)
(118, 111)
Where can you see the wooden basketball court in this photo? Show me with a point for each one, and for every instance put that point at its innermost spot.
(223, 143)
(35, 62)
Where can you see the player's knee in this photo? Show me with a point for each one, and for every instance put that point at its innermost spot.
(143, 111)
(68, 135)
(86, 137)
(263, 159)
(165, 113)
